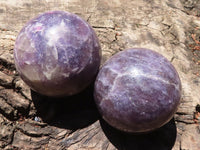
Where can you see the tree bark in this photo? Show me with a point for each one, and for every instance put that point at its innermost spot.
(29, 120)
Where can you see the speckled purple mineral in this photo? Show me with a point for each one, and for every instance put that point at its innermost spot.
(137, 90)
(57, 53)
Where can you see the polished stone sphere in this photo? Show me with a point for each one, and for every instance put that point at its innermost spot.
(137, 90)
(57, 54)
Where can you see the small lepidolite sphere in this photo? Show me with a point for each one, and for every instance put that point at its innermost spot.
(57, 54)
(137, 90)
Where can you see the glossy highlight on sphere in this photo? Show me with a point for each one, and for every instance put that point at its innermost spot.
(137, 90)
(57, 54)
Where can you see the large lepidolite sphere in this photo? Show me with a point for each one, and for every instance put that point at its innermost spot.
(57, 53)
(137, 90)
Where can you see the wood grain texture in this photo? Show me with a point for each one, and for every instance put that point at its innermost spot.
(32, 121)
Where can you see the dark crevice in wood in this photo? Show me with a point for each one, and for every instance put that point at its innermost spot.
(6, 67)
(182, 113)
(185, 122)
(197, 108)
(101, 27)
(31, 134)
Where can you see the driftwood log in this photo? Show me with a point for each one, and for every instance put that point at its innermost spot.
(31, 121)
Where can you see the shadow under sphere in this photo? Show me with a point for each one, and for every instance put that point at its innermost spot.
(160, 139)
(73, 112)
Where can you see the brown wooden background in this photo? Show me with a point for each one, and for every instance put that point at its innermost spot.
(31, 121)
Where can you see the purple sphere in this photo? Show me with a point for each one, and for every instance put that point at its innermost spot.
(57, 54)
(137, 90)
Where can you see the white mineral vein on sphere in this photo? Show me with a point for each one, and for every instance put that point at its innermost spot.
(76, 69)
(48, 68)
(65, 75)
(137, 73)
(54, 33)
(50, 71)
(55, 52)
(133, 73)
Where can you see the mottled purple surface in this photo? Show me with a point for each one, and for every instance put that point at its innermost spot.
(57, 53)
(137, 90)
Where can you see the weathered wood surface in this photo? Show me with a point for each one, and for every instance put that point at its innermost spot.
(31, 121)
